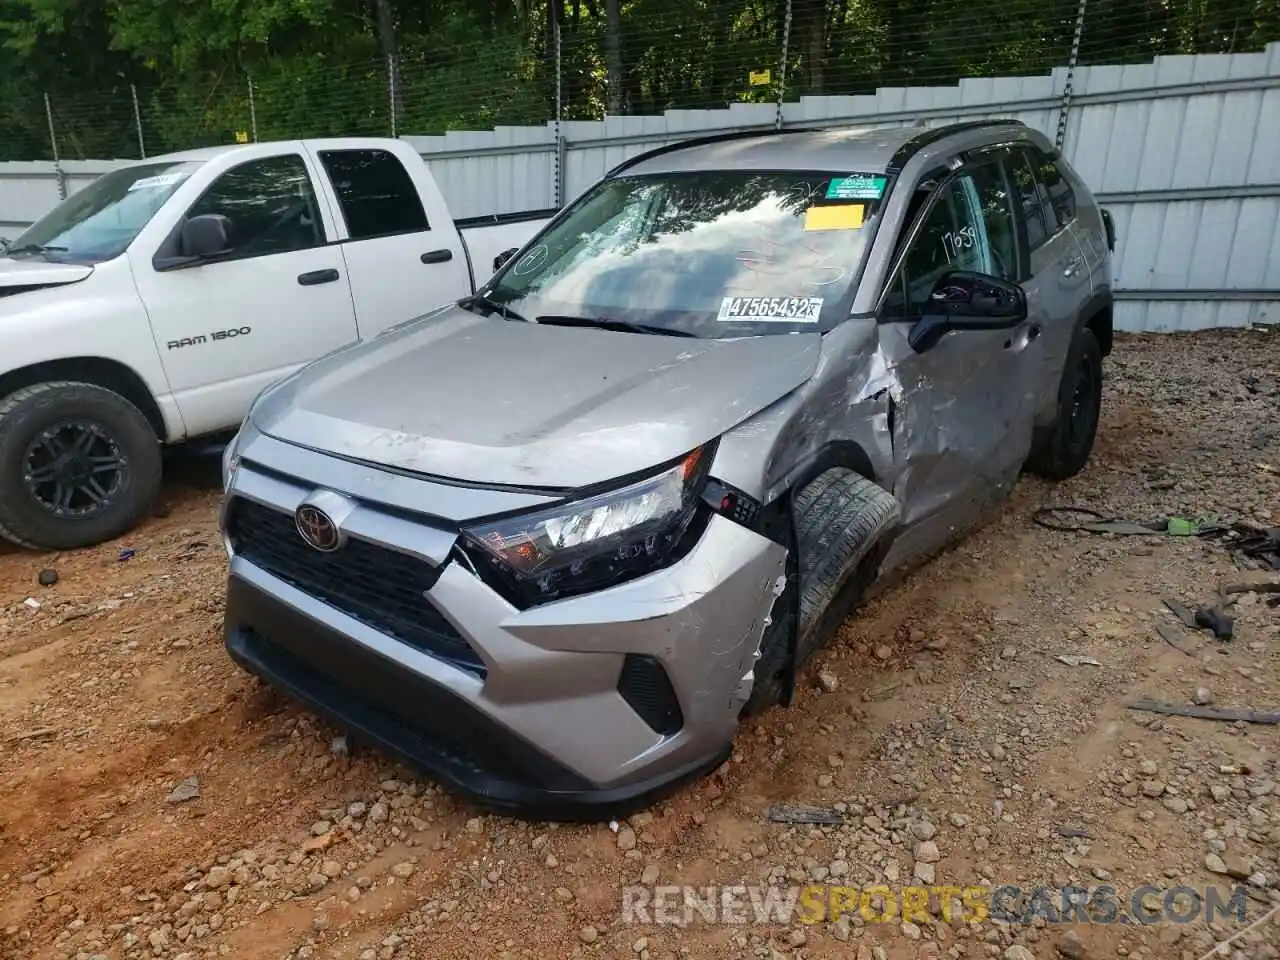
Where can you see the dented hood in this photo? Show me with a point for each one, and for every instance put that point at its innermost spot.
(33, 272)
(490, 401)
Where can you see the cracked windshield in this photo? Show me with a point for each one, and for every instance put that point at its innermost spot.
(723, 254)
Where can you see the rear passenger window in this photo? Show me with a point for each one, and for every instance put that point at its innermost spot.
(1062, 199)
(377, 196)
(997, 218)
(1031, 196)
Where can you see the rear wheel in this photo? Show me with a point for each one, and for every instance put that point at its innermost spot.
(1065, 448)
(79, 464)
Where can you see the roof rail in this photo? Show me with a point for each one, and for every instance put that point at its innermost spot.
(704, 141)
(934, 134)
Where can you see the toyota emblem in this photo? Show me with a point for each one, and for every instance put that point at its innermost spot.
(315, 527)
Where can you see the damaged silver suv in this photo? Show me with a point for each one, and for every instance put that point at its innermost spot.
(551, 542)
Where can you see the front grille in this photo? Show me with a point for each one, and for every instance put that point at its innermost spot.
(381, 588)
(648, 691)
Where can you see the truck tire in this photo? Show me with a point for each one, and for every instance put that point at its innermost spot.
(840, 521)
(79, 464)
(1064, 449)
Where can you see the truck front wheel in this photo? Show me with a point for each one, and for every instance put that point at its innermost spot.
(79, 464)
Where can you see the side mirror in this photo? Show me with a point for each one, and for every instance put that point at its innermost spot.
(503, 257)
(206, 236)
(962, 300)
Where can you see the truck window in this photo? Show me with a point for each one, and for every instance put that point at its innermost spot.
(377, 196)
(100, 221)
(271, 205)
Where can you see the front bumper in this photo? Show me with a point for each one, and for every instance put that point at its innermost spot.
(578, 709)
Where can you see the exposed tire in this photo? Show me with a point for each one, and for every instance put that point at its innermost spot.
(841, 520)
(79, 464)
(1065, 448)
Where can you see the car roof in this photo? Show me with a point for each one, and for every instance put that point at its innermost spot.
(863, 149)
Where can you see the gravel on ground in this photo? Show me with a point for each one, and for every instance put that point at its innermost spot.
(155, 802)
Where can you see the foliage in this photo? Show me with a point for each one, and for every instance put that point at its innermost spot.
(327, 67)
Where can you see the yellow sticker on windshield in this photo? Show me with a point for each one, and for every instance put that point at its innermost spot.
(842, 217)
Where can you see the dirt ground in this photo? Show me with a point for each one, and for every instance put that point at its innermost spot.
(958, 748)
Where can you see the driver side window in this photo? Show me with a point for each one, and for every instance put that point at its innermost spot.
(271, 205)
(969, 226)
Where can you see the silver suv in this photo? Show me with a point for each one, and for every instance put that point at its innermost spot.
(551, 542)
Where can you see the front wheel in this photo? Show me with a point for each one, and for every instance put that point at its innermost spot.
(1066, 447)
(79, 464)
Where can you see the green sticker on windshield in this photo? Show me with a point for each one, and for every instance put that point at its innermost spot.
(862, 187)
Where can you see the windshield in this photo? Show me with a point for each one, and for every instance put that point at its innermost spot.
(100, 221)
(712, 254)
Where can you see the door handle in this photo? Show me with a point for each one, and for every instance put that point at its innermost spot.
(437, 256)
(1073, 265)
(1033, 332)
(317, 276)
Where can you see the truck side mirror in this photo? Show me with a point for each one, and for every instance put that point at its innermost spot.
(503, 257)
(206, 236)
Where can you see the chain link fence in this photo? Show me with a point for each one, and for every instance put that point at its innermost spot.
(572, 67)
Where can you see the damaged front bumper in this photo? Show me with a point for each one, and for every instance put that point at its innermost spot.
(577, 709)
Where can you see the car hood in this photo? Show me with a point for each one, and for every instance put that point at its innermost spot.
(489, 401)
(33, 272)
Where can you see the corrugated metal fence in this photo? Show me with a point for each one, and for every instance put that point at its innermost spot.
(1185, 151)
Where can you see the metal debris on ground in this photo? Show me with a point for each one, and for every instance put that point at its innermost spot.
(1260, 546)
(1228, 714)
(1073, 660)
(1171, 636)
(47, 578)
(1181, 612)
(40, 733)
(1073, 833)
(126, 555)
(826, 815)
(31, 603)
(1091, 521)
(1214, 617)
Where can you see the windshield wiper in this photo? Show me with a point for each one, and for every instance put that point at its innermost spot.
(490, 304)
(34, 248)
(604, 323)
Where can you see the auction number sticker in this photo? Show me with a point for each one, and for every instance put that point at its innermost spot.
(857, 187)
(157, 181)
(770, 310)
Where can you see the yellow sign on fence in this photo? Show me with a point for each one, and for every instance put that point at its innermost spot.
(759, 78)
(242, 136)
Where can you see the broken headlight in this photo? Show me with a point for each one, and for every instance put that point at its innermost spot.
(597, 542)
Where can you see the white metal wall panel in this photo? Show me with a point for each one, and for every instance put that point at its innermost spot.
(1198, 244)
(1174, 316)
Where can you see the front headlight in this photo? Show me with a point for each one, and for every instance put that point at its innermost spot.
(597, 542)
(230, 458)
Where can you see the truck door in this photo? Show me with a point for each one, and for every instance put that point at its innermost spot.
(402, 249)
(278, 298)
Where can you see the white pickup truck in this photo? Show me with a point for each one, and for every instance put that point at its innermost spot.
(153, 305)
